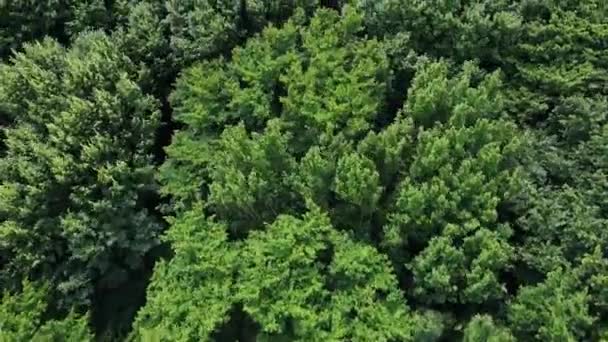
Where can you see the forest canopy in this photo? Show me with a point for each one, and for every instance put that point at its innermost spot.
(304, 170)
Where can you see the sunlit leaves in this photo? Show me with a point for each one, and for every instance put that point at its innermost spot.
(190, 295)
(22, 318)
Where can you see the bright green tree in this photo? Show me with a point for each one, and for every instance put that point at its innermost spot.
(190, 296)
(21, 318)
(299, 279)
(302, 280)
(295, 120)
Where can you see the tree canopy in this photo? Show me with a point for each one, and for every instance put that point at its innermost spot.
(304, 170)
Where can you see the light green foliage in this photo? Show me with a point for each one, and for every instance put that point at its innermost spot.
(357, 189)
(278, 128)
(348, 184)
(247, 90)
(36, 80)
(343, 84)
(21, 318)
(71, 328)
(435, 97)
(190, 295)
(477, 161)
(482, 328)
(250, 88)
(299, 279)
(248, 176)
(77, 172)
(391, 149)
(253, 152)
(286, 257)
(20, 313)
(593, 272)
(303, 280)
(444, 272)
(357, 182)
(314, 176)
(430, 326)
(555, 310)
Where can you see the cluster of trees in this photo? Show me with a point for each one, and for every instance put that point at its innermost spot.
(304, 170)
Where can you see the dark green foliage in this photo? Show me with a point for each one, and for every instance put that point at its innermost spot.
(144, 38)
(26, 20)
(98, 14)
(461, 29)
(207, 28)
(77, 175)
(21, 21)
(203, 28)
(555, 310)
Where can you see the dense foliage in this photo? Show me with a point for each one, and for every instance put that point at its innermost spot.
(22, 318)
(303, 170)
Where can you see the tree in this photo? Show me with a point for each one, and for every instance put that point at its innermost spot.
(482, 328)
(297, 279)
(444, 224)
(202, 29)
(30, 20)
(292, 121)
(98, 14)
(302, 280)
(190, 296)
(554, 310)
(212, 97)
(21, 318)
(241, 143)
(23, 21)
(462, 30)
(385, 170)
(76, 179)
(144, 37)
